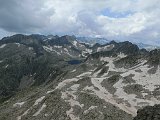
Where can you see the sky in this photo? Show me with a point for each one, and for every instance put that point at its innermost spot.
(132, 20)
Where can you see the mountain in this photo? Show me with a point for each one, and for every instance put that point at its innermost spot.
(147, 47)
(92, 40)
(60, 78)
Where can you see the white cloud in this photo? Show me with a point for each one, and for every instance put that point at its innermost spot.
(83, 17)
(123, 26)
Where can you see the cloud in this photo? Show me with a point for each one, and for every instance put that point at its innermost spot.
(24, 15)
(134, 20)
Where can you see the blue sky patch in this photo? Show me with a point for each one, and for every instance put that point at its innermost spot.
(109, 13)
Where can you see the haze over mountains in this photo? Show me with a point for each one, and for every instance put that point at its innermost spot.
(92, 41)
(59, 77)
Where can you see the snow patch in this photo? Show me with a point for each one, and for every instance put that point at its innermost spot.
(39, 111)
(73, 70)
(6, 66)
(105, 48)
(57, 46)
(111, 65)
(2, 46)
(102, 93)
(148, 81)
(50, 91)
(65, 82)
(71, 100)
(30, 48)
(84, 74)
(18, 44)
(50, 49)
(39, 100)
(121, 55)
(75, 43)
(19, 104)
(131, 98)
(90, 108)
(70, 113)
(25, 113)
(65, 49)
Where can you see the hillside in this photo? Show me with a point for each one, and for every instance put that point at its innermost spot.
(60, 78)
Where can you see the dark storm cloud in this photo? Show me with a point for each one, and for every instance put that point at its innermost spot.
(23, 15)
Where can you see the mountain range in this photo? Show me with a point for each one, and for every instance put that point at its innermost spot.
(102, 41)
(67, 78)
